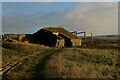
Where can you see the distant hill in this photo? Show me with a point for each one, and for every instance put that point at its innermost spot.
(103, 39)
(109, 37)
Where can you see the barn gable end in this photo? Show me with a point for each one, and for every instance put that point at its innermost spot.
(57, 37)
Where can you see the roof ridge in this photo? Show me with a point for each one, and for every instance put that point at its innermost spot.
(61, 30)
(52, 27)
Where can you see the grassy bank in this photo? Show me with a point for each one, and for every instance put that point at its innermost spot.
(61, 62)
(15, 51)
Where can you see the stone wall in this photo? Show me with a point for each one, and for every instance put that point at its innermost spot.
(20, 37)
(76, 42)
(60, 43)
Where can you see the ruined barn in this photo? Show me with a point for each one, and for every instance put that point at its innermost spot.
(27, 38)
(56, 37)
(9, 37)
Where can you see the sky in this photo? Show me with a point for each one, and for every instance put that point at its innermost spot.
(28, 17)
(59, 0)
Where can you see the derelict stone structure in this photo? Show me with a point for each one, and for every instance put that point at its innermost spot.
(52, 36)
(27, 38)
(57, 37)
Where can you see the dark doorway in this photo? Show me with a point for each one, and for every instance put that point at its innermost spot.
(68, 43)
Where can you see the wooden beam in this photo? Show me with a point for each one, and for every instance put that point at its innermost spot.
(74, 32)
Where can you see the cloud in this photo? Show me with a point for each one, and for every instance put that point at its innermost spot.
(29, 23)
(28, 17)
(99, 18)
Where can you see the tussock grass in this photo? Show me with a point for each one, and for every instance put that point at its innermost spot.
(83, 63)
(15, 51)
(61, 62)
(22, 47)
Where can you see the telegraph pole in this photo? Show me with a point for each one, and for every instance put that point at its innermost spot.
(92, 38)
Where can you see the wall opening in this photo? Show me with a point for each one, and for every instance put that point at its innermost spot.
(68, 43)
(57, 43)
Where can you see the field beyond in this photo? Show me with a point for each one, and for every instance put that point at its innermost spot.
(59, 62)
